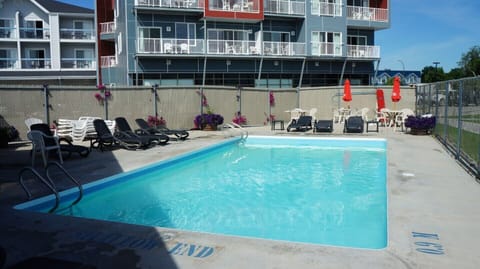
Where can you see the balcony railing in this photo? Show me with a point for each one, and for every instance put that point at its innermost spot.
(283, 48)
(108, 61)
(326, 49)
(36, 63)
(357, 51)
(170, 45)
(169, 3)
(8, 63)
(285, 7)
(367, 14)
(7, 32)
(108, 27)
(230, 47)
(249, 6)
(78, 63)
(85, 34)
(35, 33)
(326, 9)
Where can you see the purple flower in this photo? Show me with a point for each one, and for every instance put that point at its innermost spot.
(211, 119)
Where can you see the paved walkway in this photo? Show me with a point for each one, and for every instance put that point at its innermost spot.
(433, 217)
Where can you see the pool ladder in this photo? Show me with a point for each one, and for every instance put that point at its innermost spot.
(49, 182)
(237, 129)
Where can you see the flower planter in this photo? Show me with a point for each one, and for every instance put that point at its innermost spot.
(414, 131)
(209, 127)
(420, 125)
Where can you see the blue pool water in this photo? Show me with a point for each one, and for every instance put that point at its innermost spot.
(313, 190)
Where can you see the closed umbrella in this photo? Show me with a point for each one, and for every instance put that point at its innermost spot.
(380, 100)
(347, 91)
(396, 90)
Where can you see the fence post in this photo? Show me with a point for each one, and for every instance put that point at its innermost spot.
(105, 103)
(155, 108)
(445, 121)
(459, 124)
(46, 95)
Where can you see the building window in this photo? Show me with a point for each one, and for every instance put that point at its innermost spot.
(326, 43)
(185, 33)
(327, 8)
(222, 41)
(149, 39)
(6, 28)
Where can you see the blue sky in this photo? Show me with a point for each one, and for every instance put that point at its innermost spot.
(421, 32)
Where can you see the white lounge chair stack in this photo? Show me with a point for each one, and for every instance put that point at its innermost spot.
(79, 130)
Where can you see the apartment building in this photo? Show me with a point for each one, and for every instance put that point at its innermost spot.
(45, 41)
(262, 43)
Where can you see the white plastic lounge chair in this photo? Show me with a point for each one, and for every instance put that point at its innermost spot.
(31, 121)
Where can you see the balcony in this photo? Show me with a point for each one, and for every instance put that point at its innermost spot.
(35, 33)
(7, 32)
(36, 63)
(169, 3)
(78, 63)
(8, 63)
(326, 49)
(219, 47)
(283, 48)
(367, 14)
(247, 6)
(357, 51)
(108, 61)
(287, 7)
(108, 27)
(326, 9)
(170, 46)
(77, 34)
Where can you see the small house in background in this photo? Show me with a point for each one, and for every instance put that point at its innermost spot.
(45, 41)
(406, 77)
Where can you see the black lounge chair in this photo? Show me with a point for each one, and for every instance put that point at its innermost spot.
(353, 124)
(323, 126)
(67, 146)
(179, 134)
(303, 123)
(105, 138)
(124, 127)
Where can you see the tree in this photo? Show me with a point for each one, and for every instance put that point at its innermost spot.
(432, 74)
(455, 73)
(470, 61)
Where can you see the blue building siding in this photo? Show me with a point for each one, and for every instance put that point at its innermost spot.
(174, 44)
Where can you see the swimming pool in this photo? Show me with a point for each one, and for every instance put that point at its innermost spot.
(315, 190)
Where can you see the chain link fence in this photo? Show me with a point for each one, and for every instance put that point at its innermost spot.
(456, 105)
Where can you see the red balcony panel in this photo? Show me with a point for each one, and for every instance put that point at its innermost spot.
(248, 10)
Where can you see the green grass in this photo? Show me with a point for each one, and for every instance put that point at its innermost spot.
(470, 144)
(468, 118)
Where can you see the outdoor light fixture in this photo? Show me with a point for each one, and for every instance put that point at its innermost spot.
(275, 63)
(229, 62)
(168, 62)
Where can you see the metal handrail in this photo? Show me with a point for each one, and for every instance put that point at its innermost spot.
(80, 188)
(49, 185)
(234, 126)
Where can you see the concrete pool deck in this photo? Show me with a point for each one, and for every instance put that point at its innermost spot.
(433, 217)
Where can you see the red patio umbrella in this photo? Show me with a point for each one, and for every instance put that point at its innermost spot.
(396, 90)
(380, 100)
(347, 92)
